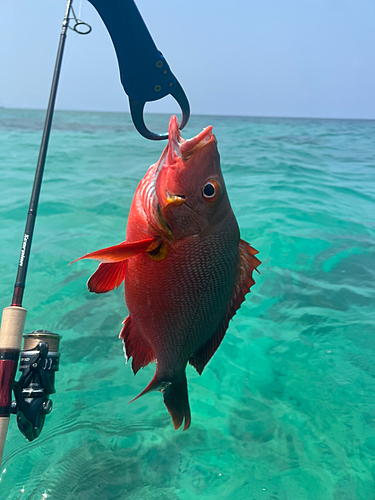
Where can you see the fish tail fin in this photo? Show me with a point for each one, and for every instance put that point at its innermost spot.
(176, 400)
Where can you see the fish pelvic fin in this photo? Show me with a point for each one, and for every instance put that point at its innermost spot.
(123, 251)
(247, 264)
(107, 277)
(135, 346)
(176, 400)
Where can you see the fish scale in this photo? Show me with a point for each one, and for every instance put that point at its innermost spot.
(187, 309)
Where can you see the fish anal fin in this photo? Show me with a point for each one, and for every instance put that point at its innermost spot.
(176, 398)
(247, 264)
(135, 346)
(107, 277)
(154, 385)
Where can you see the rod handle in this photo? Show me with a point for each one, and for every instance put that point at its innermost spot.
(4, 423)
(12, 326)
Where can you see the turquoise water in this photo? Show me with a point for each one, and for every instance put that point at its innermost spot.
(285, 410)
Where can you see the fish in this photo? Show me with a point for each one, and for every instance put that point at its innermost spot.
(186, 269)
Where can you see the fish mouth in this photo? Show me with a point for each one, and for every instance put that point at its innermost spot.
(178, 149)
(184, 148)
(158, 201)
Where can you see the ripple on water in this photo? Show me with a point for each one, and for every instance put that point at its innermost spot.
(285, 409)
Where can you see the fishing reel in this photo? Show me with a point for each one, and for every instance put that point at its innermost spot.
(38, 364)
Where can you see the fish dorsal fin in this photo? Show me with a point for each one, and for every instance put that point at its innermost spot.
(248, 263)
(135, 346)
(107, 277)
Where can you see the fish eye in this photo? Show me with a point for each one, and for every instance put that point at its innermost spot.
(211, 190)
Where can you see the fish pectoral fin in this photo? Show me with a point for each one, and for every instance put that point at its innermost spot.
(135, 346)
(107, 277)
(123, 251)
(248, 263)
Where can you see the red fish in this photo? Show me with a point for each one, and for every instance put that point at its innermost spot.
(186, 270)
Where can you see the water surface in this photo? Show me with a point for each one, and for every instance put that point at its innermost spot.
(285, 410)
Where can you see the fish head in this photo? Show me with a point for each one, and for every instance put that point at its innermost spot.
(188, 192)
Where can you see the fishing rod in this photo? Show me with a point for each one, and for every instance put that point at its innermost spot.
(145, 76)
(40, 355)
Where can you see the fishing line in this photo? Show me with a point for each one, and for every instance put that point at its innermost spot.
(81, 28)
(39, 357)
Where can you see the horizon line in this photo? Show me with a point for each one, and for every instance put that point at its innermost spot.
(196, 114)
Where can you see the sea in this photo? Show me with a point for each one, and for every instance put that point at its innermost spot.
(285, 410)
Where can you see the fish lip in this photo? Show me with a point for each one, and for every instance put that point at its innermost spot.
(190, 146)
(174, 199)
(174, 141)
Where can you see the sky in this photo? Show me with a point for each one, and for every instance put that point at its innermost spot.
(290, 58)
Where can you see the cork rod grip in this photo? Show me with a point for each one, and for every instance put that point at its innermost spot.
(12, 325)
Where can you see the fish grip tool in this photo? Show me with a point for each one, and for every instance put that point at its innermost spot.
(144, 71)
